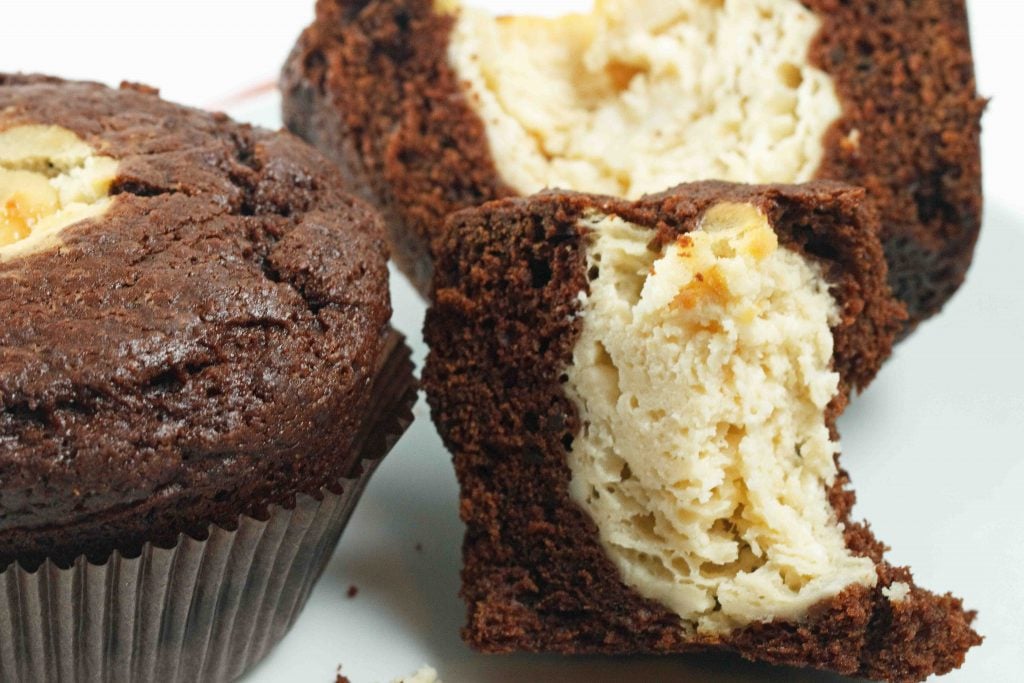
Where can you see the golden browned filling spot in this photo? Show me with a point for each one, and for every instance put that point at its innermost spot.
(702, 377)
(641, 95)
(49, 179)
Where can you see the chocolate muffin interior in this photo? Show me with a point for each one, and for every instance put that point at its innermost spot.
(641, 402)
(195, 314)
(432, 106)
(635, 97)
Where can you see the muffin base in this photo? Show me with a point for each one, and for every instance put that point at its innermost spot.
(206, 609)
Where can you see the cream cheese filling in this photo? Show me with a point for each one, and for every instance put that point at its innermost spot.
(642, 95)
(702, 377)
(426, 674)
(49, 179)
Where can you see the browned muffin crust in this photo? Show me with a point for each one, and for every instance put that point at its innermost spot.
(370, 84)
(501, 332)
(904, 72)
(204, 349)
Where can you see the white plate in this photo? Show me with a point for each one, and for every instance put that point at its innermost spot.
(934, 448)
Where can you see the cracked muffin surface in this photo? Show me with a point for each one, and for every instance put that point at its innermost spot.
(198, 342)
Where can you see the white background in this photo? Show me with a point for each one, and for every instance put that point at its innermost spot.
(934, 447)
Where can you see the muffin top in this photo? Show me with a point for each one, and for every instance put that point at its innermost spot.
(194, 312)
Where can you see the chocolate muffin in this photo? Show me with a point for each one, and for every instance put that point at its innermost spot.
(196, 347)
(429, 107)
(641, 401)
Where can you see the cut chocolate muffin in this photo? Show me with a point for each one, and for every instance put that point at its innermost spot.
(196, 346)
(430, 107)
(641, 402)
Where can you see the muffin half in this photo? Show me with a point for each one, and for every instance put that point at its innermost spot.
(641, 402)
(430, 107)
(197, 376)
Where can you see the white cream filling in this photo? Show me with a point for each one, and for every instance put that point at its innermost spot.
(49, 179)
(897, 592)
(702, 376)
(642, 95)
(426, 674)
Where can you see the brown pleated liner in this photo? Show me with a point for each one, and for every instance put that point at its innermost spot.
(204, 610)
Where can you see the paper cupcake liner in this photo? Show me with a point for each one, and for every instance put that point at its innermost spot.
(204, 610)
